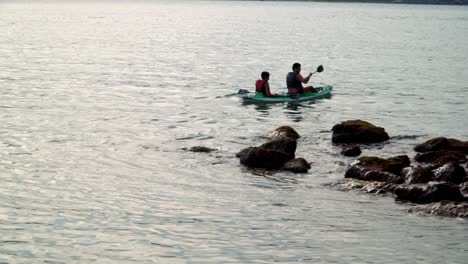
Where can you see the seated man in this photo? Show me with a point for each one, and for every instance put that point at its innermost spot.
(262, 86)
(294, 81)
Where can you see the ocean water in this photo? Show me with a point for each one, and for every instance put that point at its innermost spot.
(97, 101)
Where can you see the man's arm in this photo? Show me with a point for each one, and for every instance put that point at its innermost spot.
(302, 79)
(267, 89)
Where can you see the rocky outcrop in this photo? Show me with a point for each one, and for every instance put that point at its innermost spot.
(277, 153)
(284, 132)
(417, 174)
(429, 193)
(256, 157)
(442, 143)
(378, 169)
(358, 131)
(449, 172)
(437, 181)
(440, 157)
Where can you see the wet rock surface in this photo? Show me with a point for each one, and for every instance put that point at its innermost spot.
(429, 193)
(352, 151)
(199, 149)
(445, 208)
(378, 169)
(298, 165)
(358, 131)
(441, 157)
(442, 143)
(437, 180)
(277, 153)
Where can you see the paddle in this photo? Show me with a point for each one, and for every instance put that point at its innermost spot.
(319, 69)
(240, 92)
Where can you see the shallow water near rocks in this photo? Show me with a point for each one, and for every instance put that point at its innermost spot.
(97, 101)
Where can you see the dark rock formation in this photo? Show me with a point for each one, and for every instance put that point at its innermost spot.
(450, 172)
(278, 153)
(256, 157)
(298, 165)
(441, 157)
(428, 193)
(285, 132)
(442, 143)
(418, 174)
(358, 131)
(464, 188)
(352, 151)
(285, 144)
(378, 169)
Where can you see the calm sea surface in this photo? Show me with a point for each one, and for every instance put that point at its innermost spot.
(98, 100)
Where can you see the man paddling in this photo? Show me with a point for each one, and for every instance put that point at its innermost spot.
(294, 81)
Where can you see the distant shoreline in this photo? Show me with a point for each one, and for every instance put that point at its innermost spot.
(416, 2)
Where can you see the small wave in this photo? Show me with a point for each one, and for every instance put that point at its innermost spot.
(407, 137)
(199, 137)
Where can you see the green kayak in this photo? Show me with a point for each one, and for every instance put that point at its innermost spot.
(260, 98)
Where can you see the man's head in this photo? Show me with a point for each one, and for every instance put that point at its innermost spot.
(265, 75)
(296, 67)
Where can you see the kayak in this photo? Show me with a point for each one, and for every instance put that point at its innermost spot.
(261, 98)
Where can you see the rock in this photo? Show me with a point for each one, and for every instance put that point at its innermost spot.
(442, 143)
(373, 175)
(284, 132)
(428, 193)
(441, 157)
(255, 157)
(285, 144)
(200, 149)
(444, 208)
(379, 187)
(365, 186)
(450, 172)
(378, 169)
(298, 165)
(392, 164)
(464, 188)
(358, 131)
(418, 174)
(352, 151)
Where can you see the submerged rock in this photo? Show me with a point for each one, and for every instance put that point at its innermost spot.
(200, 149)
(358, 131)
(352, 151)
(298, 165)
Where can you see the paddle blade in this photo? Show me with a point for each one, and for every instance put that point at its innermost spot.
(320, 68)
